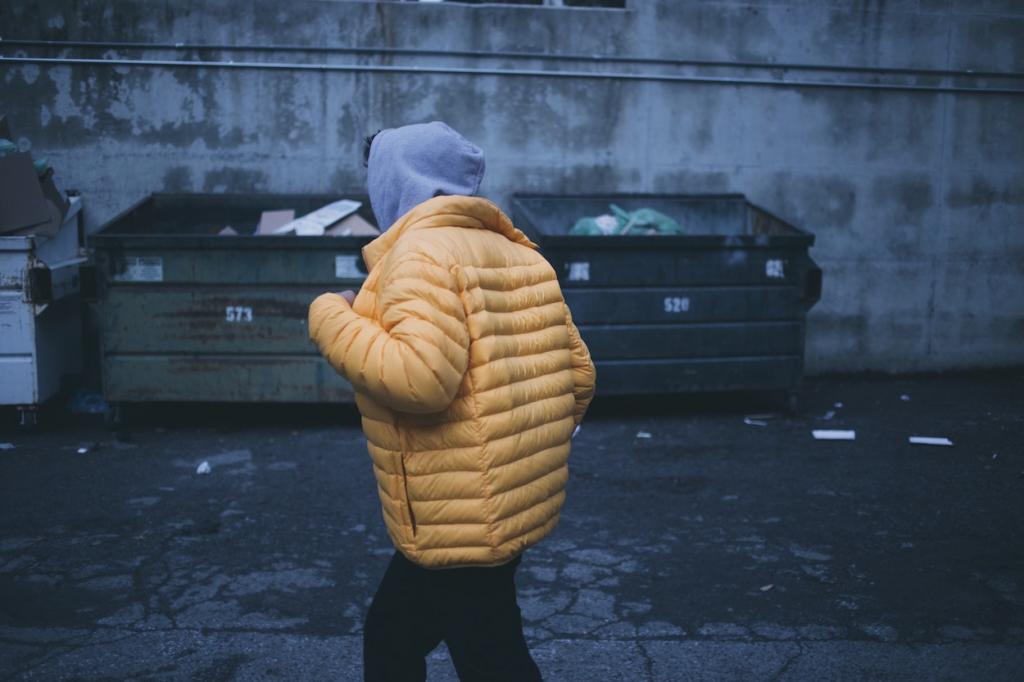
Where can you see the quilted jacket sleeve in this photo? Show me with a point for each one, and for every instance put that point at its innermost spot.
(583, 372)
(415, 358)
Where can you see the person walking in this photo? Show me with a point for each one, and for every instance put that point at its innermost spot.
(471, 378)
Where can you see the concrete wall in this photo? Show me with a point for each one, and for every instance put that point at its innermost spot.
(916, 197)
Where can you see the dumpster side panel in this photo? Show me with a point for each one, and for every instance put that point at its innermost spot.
(58, 346)
(698, 267)
(204, 319)
(232, 377)
(17, 350)
(682, 304)
(661, 341)
(703, 374)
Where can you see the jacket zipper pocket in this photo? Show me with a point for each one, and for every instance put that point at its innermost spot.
(405, 479)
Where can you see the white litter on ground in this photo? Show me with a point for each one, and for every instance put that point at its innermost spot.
(750, 421)
(828, 415)
(765, 588)
(576, 430)
(930, 440)
(905, 398)
(643, 434)
(838, 406)
(204, 468)
(6, 446)
(832, 434)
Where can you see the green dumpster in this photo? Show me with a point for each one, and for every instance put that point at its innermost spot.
(188, 314)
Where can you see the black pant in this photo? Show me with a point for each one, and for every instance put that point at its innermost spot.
(473, 610)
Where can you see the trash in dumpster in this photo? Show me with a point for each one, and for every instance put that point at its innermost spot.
(833, 434)
(643, 221)
(272, 220)
(930, 440)
(204, 468)
(353, 226)
(315, 224)
(30, 202)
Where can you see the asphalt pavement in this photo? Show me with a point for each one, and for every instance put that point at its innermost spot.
(703, 538)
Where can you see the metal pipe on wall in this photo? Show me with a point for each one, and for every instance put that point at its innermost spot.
(499, 54)
(532, 73)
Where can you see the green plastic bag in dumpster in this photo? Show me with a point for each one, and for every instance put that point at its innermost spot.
(642, 221)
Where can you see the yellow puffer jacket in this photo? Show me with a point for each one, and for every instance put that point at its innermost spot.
(470, 377)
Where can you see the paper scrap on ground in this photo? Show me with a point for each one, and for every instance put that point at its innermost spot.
(642, 434)
(749, 421)
(929, 440)
(576, 430)
(832, 434)
(204, 468)
(905, 398)
(828, 415)
(6, 446)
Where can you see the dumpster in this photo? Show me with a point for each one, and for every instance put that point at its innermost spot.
(40, 313)
(187, 314)
(720, 307)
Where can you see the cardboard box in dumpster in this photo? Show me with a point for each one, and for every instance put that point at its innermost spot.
(271, 220)
(22, 204)
(29, 204)
(316, 223)
(353, 226)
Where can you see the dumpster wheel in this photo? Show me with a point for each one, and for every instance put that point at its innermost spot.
(28, 417)
(793, 402)
(113, 417)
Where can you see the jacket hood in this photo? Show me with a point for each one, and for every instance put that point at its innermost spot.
(414, 163)
(445, 211)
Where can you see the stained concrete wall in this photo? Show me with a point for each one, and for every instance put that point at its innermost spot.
(916, 196)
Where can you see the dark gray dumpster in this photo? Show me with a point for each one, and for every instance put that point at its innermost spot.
(722, 307)
(188, 315)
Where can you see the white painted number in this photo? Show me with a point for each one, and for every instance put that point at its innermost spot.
(677, 304)
(774, 269)
(238, 313)
(578, 271)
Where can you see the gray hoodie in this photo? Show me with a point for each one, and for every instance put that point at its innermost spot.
(411, 164)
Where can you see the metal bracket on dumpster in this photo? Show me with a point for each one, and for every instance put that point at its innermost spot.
(40, 284)
(811, 293)
(47, 283)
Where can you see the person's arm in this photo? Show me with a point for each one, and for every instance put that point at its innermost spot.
(415, 359)
(583, 373)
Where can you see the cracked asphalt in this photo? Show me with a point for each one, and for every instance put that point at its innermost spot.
(713, 549)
